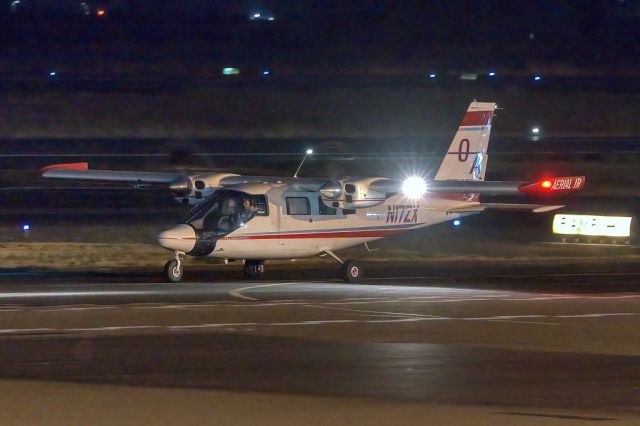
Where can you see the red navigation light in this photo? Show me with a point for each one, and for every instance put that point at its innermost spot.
(554, 185)
(101, 12)
(546, 184)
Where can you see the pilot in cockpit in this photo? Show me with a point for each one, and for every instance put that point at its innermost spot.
(248, 210)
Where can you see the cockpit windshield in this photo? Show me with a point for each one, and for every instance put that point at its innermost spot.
(224, 212)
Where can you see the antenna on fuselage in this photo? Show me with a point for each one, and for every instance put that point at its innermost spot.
(308, 152)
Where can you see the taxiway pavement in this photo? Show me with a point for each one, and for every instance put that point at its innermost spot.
(537, 342)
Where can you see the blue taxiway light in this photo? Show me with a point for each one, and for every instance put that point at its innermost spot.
(537, 78)
(457, 222)
(26, 227)
(492, 74)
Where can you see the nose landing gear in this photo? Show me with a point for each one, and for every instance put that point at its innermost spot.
(254, 269)
(173, 270)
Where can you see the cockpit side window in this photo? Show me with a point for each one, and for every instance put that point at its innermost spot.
(226, 211)
(260, 203)
(298, 206)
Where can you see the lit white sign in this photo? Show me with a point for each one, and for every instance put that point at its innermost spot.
(601, 226)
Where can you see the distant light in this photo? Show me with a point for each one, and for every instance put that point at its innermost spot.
(266, 72)
(271, 18)
(52, 73)
(457, 222)
(414, 187)
(309, 151)
(537, 78)
(101, 12)
(432, 75)
(14, 5)
(492, 74)
(535, 130)
(256, 15)
(26, 227)
(230, 71)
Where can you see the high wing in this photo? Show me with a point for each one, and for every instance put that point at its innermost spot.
(199, 186)
(192, 188)
(541, 187)
(80, 171)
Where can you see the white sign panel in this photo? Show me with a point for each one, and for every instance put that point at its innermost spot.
(600, 226)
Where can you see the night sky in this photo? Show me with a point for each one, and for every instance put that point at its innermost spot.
(595, 35)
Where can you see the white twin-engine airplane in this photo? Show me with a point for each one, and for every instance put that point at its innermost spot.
(258, 218)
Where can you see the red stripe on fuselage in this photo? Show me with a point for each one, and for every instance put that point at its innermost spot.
(336, 234)
(477, 118)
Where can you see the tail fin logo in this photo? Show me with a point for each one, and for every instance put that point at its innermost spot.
(476, 167)
(463, 151)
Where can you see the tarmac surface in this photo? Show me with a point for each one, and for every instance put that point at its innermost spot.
(543, 341)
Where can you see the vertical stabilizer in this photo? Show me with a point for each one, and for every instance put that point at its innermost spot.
(467, 156)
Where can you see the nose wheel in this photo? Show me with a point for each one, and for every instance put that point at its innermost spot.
(254, 269)
(173, 269)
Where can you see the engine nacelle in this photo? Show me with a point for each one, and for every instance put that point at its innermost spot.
(195, 188)
(352, 193)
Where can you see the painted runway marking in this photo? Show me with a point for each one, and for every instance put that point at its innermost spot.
(369, 312)
(238, 292)
(383, 320)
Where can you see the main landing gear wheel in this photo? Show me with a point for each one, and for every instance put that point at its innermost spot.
(352, 271)
(254, 269)
(173, 270)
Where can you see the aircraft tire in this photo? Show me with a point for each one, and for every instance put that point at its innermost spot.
(173, 271)
(254, 269)
(352, 271)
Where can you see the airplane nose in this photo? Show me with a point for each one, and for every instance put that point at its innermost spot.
(178, 238)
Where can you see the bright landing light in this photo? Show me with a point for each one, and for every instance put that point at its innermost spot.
(414, 187)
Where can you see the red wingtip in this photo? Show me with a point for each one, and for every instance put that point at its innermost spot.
(66, 166)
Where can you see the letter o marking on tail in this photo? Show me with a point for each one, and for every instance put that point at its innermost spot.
(463, 154)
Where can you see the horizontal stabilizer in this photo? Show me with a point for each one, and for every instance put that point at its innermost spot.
(480, 207)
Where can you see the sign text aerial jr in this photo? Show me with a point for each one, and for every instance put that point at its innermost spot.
(257, 218)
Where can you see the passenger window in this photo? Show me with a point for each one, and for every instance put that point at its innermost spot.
(298, 205)
(324, 210)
